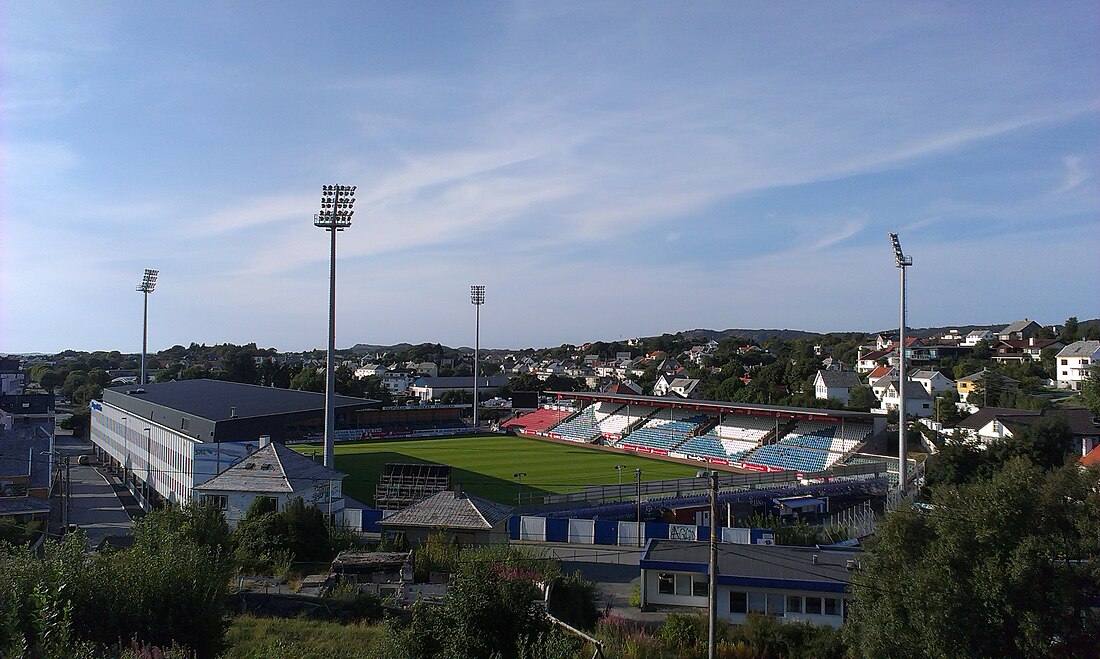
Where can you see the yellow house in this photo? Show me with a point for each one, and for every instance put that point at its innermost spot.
(967, 384)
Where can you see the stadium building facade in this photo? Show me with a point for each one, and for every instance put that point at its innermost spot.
(166, 438)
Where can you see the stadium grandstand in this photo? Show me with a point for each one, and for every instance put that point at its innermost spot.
(752, 437)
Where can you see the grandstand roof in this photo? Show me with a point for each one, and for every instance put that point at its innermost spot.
(717, 407)
(220, 400)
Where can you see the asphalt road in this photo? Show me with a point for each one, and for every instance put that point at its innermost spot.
(93, 504)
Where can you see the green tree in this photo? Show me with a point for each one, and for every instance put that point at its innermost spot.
(946, 410)
(306, 531)
(996, 568)
(1071, 331)
(862, 399)
(982, 351)
(309, 378)
(1090, 390)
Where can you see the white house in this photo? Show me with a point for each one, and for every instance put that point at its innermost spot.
(990, 424)
(397, 382)
(368, 370)
(835, 384)
(974, 337)
(917, 401)
(429, 369)
(869, 360)
(277, 473)
(1019, 330)
(880, 379)
(668, 385)
(933, 382)
(1074, 362)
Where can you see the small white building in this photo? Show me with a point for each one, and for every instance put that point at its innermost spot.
(280, 474)
(1074, 362)
(397, 382)
(432, 389)
(972, 339)
(793, 584)
(933, 382)
(668, 385)
(837, 385)
(370, 370)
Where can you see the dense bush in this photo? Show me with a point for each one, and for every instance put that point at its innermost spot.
(264, 536)
(165, 590)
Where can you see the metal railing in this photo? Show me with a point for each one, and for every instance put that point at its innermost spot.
(678, 487)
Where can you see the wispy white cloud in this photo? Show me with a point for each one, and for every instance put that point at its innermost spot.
(1074, 176)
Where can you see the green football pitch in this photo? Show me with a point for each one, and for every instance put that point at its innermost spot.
(485, 465)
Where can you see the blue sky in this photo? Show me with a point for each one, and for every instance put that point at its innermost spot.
(605, 169)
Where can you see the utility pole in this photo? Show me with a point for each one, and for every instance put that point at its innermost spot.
(638, 487)
(712, 590)
(902, 262)
(519, 484)
(68, 490)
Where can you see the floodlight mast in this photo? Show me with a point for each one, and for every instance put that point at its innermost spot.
(901, 261)
(336, 211)
(477, 298)
(148, 283)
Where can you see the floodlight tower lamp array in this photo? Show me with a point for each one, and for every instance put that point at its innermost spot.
(337, 209)
(148, 283)
(901, 261)
(477, 298)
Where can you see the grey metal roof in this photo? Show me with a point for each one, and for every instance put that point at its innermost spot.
(839, 379)
(926, 375)
(1018, 326)
(1080, 349)
(24, 506)
(215, 399)
(273, 468)
(914, 390)
(21, 454)
(759, 561)
(448, 510)
(458, 382)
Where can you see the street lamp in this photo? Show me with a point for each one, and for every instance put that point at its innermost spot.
(126, 451)
(902, 262)
(148, 466)
(148, 283)
(519, 484)
(712, 586)
(335, 215)
(477, 298)
(619, 468)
